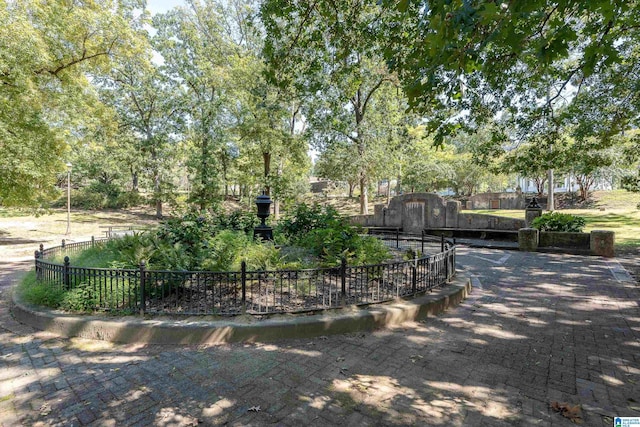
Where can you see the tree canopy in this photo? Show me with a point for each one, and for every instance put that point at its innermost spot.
(48, 53)
(224, 97)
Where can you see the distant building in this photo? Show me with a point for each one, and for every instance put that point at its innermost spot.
(562, 185)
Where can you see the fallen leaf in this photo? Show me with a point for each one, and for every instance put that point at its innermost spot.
(572, 413)
(415, 357)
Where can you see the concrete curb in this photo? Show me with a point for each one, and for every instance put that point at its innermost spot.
(246, 328)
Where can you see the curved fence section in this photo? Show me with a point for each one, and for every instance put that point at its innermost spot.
(231, 293)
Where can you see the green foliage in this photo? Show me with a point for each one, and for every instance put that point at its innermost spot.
(79, 299)
(329, 236)
(225, 249)
(244, 221)
(631, 182)
(304, 218)
(47, 51)
(190, 229)
(556, 221)
(36, 293)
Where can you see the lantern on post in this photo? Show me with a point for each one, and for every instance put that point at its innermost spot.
(263, 231)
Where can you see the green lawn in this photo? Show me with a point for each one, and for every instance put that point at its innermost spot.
(614, 210)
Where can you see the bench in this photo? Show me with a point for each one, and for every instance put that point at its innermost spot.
(116, 230)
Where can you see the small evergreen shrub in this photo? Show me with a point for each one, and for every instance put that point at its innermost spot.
(556, 221)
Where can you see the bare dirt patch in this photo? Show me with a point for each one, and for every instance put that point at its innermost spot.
(21, 235)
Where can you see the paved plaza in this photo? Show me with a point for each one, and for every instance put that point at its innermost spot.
(539, 330)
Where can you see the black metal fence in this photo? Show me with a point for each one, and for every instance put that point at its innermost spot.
(254, 292)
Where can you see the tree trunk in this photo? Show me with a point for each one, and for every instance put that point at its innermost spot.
(364, 195)
(203, 174)
(550, 202)
(134, 180)
(388, 190)
(584, 183)
(266, 157)
(276, 199)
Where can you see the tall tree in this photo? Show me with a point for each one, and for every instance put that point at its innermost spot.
(47, 51)
(323, 49)
(196, 56)
(149, 112)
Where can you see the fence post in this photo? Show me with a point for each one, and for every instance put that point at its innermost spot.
(343, 279)
(143, 292)
(397, 237)
(93, 241)
(65, 273)
(63, 243)
(442, 243)
(414, 272)
(243, 281)
(37, 256)
(446, 267)
(41, 250)
(422, 243)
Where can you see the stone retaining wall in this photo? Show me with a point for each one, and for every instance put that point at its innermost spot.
(597, 242)
(415, 212)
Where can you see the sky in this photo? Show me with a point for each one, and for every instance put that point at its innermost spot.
(161, 6)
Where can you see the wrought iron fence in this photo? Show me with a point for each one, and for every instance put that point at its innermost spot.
(254, 292)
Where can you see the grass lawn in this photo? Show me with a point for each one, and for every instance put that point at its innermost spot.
(613, 210)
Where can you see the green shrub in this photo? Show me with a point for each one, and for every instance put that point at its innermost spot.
(86, 199)
(129, 199)
(37, 293)
(224, 250)
(244, 221)
(303, 219)
(79, 299)
(556, 221)
(631, 182)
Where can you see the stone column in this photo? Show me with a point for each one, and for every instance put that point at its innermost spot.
(601, 243)
(528, 239)
(532, 211)
(451, 218)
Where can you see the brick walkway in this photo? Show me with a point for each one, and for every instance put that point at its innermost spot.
(538, 329)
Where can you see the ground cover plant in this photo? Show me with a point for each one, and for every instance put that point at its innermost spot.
(557, 221)
(309, 237)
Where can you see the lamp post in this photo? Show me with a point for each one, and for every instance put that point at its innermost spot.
(68, 198)
(263, 231)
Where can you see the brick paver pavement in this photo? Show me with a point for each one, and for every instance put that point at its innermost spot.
(538, 329)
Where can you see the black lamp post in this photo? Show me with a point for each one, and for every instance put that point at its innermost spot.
(263, 231)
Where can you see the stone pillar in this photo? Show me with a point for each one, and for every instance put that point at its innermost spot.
(451, 218)
(532, 211)
(601, 243)
(528, 239)
(378, 215)
(530, 214)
